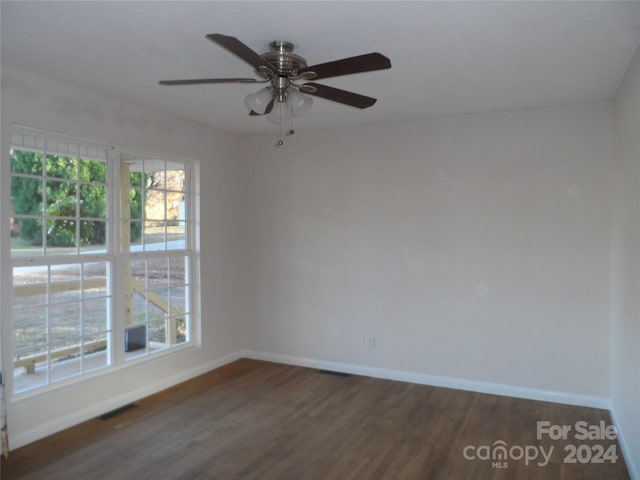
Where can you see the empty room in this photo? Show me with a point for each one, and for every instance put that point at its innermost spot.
(320, 240)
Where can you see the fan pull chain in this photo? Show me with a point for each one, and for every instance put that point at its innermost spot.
(291, 131)
(280, 142)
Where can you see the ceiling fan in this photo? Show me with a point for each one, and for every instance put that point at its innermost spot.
(284, 70)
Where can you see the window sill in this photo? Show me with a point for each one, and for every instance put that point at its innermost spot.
(79, 379)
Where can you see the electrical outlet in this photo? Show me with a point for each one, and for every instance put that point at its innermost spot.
(370, 342)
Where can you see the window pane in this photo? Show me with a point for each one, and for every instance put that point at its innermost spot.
(93, 201)
(65, 360)
(23, 161)
(154, 236)
(59, 304)
(93, 236)
(132, 231)
(160, 298)
(154, 205)
(30, 286)
(154, 174)
(26, 195)
(158, 312)
(131, 203)
(138, 308)
(61, 199)
(30, 368)
(158, 272)
(65, 283)
(177, 269)
(138, 271)
(178, 302)
(30, 327)
(62, 167)
(95, 352)
(29, 243)
(176, 237)
(92, 171)
(94, 316)
(174, 207)
(182, 211)
(158, 333)
(65, 323)
(176, 177)
(61, 233)
(182, 328)
(136, 179)
(95, 279)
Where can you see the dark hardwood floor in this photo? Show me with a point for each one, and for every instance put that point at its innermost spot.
(259, 420)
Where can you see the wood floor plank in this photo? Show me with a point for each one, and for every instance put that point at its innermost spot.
(263, 421)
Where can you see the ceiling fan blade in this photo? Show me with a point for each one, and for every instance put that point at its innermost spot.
(362, 63)
(340, 96)
(266, 110)
(238, 48)
(210, 80)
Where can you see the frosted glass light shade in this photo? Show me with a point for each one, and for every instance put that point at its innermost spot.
(281, 112)
(258, 101)
(300, 104)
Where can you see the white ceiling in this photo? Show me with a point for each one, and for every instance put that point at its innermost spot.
(447, 58)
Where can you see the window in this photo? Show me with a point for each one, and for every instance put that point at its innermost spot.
(100, 257)
(155, 260)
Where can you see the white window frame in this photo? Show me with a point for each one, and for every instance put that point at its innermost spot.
(114, 257)
(123, 257)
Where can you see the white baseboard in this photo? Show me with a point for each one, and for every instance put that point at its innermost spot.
(91, 411)
(20, 439)
(626, 453)
(438, 381)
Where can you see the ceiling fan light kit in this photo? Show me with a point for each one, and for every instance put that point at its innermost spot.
(259, 101)
(280, 113)
(300, 104)
(283, 70)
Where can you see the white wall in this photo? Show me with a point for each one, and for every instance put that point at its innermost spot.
(472, 247)
(34, 101)
(625, 285)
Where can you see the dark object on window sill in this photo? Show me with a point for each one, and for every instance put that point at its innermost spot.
(135, 338)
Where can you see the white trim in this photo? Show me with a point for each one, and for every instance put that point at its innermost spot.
(19, 129)
(626, 453)
(20, 439)
(438, 380)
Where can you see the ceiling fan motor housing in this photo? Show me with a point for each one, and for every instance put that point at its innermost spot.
(286, 63)
(283, 59)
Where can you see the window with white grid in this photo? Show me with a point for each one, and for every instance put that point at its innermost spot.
(100, 257)
(155, 254)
